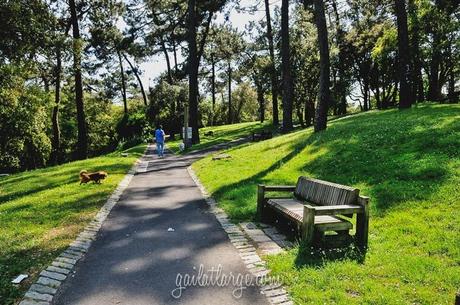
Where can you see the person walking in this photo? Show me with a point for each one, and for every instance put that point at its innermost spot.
(160, 140)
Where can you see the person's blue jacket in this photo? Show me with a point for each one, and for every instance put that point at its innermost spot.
(159, 136)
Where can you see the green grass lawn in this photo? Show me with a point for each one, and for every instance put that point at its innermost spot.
(42, 211)
(408, 162)
(222, 134)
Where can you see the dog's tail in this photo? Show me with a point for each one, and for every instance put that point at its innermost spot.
(83, 171)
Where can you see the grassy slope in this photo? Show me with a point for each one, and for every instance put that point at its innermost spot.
(408, 162)
(222, 134)
(42, 211)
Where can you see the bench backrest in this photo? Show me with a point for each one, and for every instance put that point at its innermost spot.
(321, 192)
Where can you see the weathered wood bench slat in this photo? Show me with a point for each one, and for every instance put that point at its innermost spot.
(338, 209)
(314, 207)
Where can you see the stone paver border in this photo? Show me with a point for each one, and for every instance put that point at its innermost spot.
(246, 247)
(50, 279)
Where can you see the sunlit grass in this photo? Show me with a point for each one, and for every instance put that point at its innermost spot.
(222, 134)
(408, 162)
(42, 211)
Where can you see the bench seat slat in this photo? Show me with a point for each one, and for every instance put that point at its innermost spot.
(293, 209)
(337, 209)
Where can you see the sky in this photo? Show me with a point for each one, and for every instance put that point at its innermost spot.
(157, 64)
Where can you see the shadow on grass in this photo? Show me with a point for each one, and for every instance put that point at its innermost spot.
(313, 257)
(27, 184)
(393, 156)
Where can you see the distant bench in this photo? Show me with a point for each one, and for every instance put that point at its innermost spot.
(263, 135)
(316, 207)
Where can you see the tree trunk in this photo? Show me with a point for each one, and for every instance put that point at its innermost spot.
(193, 71)
(82, 141)
(324, 62)
(213, 88)
(123, 84)
(366, 95)
(416, 67)
(144, 96)
(168, 63)
(56, 141)
(273, 74)
(342, 107)
(405, 96)
(286, 67)
(261, 100)
(309, 112)
(175, 56)
(230, 118)
(433, 78)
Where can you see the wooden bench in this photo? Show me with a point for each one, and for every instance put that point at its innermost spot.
(315, 207)
(263, 135)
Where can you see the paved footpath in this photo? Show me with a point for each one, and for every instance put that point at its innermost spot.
(135, 260)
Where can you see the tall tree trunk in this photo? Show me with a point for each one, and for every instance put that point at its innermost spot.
(193, 64)
(168, 63)
(82, 141)
(342, 107)
(324, 63)
(56, 141)
(366, 95)
(123, 84)
(175, 56)
(433, 78)
(273, 73)
(213, 88)
(405, 96)
(230, 115)
(416, 69)
(309, 112)
(286, 67)
(144, 96)
(261, 100)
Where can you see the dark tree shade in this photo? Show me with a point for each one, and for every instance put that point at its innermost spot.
(324, 62)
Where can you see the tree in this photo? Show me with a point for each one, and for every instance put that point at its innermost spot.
(193, 64)
(405, 90)
(273, 73)
(324, 63)
(201, 14)
(82, 143)
(286, 67)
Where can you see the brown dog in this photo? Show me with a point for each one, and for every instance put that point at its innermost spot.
(96, 177)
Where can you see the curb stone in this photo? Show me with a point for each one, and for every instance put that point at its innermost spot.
(50, 279)
(275, 294)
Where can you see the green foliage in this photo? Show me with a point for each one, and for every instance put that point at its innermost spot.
(42, 211)
(24, 143)
(134, 128)
(406, 162)
(167, 104)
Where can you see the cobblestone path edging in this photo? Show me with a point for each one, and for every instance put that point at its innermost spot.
(50, 279)
(248, 246)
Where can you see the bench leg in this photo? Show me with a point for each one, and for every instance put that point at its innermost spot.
(308, 225)
(362, 224)
(260, 202)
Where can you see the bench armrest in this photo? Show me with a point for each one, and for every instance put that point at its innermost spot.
(336, 209)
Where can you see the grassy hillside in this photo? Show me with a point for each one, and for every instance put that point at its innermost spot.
(222, 134)
(408, 162)
(42, 211)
